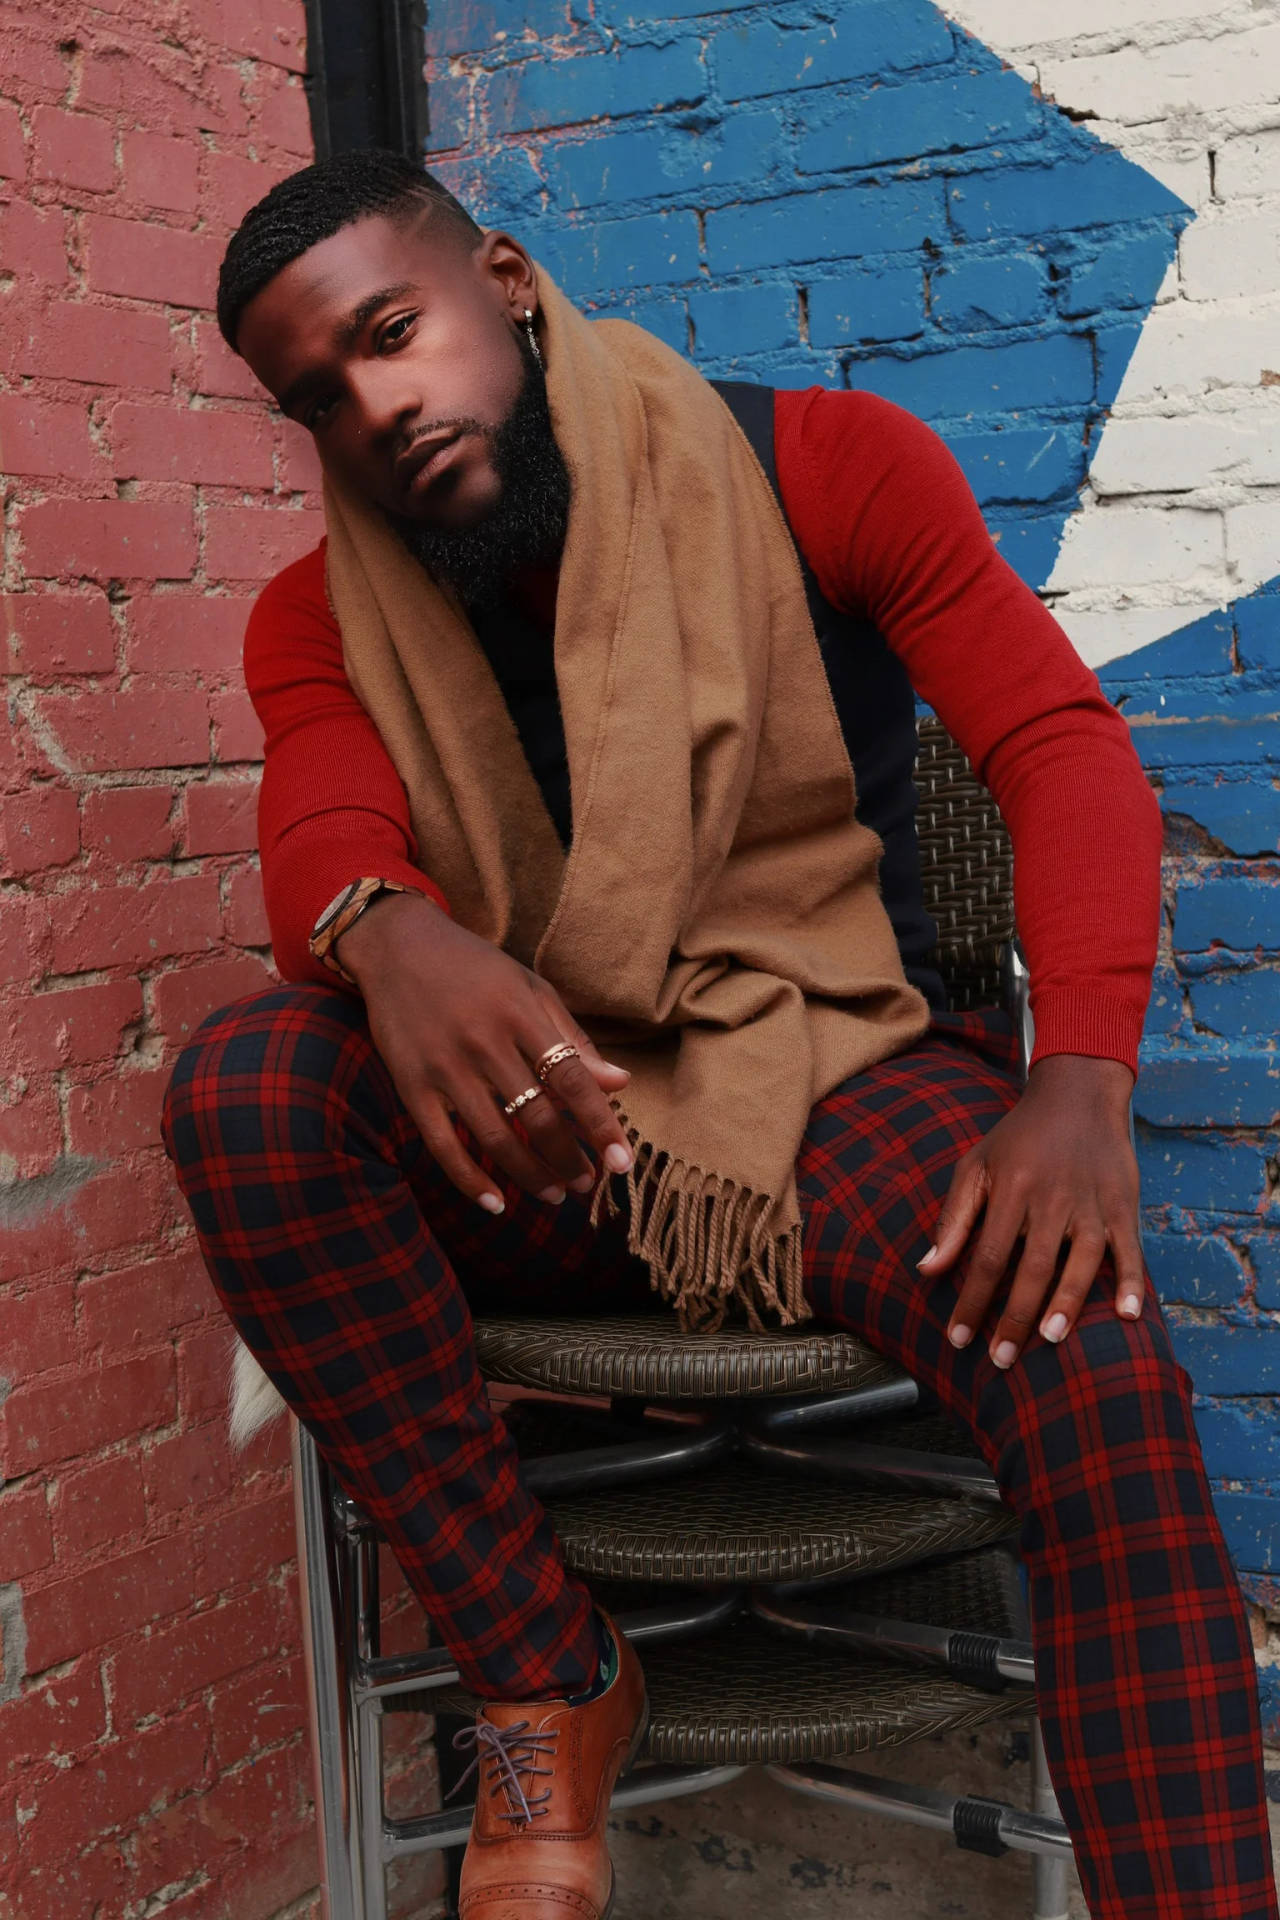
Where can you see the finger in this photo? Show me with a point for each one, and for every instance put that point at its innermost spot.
(575, 1086)
(442, 1143)
(1131, 1269)
(548, 1135)
(607, 1075)
(964, 1202)
(985, 1268)
(1088, 1246)
(1031, 1282)
(492, 1132)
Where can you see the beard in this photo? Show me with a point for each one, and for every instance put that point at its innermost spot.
(528, 525)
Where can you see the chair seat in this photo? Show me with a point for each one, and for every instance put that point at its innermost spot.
(975, 1592)
(736, 1525)
(653, 1359)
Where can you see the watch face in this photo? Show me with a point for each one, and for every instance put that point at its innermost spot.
(334, 908)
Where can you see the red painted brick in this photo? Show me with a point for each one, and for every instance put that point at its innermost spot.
(246, 26)
(187, 1471)
(130, 79)
(114, 1598)
(233, 185)
(161, 172)
(128, 823)
(33, 243)
(152, 263)
(30, 60)
(54, 1719)
(237, 731)
(253, 543)
(300, 469)
(279, 106)
(97, 1881)
(101, 1213)
(13, 153)
(261, 1707)
(118, 1784)
(204, 1369)
(39, 830)
(105, 345)
(75, 149)
(185, 997)
(38, 1328)
(47, 437)
(71, 1027)
(169, 1664)
(109, 539)
(117, 1114)
(219, 370)
(245, 916)
(18, 923)
(149, 726)
(58, 1419)
(31, 1130)
(171, 443)
(133, 926)
(144, 1305)
(26, 1538)
(268, 1800)
(98, 1503)
(174, 632)
(250, 1542)
(59, 633)
(221, 816)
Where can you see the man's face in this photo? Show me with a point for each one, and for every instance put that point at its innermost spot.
(397, 349)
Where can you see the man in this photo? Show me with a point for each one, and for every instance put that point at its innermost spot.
(595, 991)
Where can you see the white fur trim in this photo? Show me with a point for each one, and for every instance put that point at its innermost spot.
(255, 1403)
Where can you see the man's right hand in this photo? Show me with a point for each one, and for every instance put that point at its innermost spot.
(461, 1027)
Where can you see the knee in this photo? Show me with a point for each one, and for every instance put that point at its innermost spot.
(249, 1057)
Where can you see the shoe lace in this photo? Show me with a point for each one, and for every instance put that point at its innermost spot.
(505, 1754)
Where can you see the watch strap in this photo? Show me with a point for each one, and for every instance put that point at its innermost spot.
(342, 912)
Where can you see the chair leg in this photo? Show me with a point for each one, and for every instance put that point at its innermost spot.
(370, 1786)
(1050, 1881)
(326, 1645)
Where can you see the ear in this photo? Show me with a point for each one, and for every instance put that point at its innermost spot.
(505, 261)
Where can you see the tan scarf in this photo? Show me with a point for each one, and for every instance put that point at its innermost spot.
(716, 924)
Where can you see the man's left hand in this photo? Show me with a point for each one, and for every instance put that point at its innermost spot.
(1060, 1168)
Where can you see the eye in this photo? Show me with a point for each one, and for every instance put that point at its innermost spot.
(396, 330)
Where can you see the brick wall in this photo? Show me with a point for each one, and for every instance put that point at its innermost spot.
(152, 1752)
(1048, 226)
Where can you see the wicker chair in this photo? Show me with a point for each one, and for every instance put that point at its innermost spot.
(827, 1510)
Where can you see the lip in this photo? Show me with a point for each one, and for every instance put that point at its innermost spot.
(418, 465)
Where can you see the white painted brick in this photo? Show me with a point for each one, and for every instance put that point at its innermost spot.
(1197, 450)
(1189, 349)
(1248, 166)
(1108, 634)
(1035, 23)
(1232, 252)
(1253, 542)
(1138, 546)
(1186, 77)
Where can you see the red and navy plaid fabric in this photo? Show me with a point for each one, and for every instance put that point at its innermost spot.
(349, 1265)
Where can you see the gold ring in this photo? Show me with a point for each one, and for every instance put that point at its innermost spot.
(521, 1100)
(552, 1058)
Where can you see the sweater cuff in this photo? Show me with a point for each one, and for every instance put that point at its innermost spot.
(1101, 1026)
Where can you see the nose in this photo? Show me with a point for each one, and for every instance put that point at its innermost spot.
(387, 399)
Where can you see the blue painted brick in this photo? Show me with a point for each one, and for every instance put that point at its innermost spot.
(1231, 910)
(1114, 347)
(1264, 1251)
(1120, 273)
(1240, 1442)
(1200, 1171)
(1021, 464)
(1029, 542)
(649, 250)
(1238, 1004)
(594, 86)
(729, 321)
(1060, 197)
(1164, 1010)
(625, 15)
(667, 158)
(880, 304)
(467, 26)
(1055, 371)
(1195, 1271)
(496, 188)
(1258, 628)
(1251, 1528)
(872, 36)
(1191, 1087)
(836, 223)
(1243, 814)
(1004, 291)
(1200, 649)
(668, 319)
(919, 117)
(1216, 744)
(1230, 1360)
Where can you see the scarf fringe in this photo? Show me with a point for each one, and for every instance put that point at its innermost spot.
(705, 1240)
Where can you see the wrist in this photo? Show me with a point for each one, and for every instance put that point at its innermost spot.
(1106, 1084)
(386, 924)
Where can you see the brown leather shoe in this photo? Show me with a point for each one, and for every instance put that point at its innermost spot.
(546, 1770)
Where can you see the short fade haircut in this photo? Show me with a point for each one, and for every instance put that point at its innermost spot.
(317, 202)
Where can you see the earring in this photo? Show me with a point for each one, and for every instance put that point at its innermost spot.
(534, 348)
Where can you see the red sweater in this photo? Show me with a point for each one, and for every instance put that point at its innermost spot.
(886, 520)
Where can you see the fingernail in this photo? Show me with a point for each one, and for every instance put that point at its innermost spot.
(616, 1158)
(924, 1258)
(961, 1336)
(552, 1195)
(615, 1068)
(1055, 1328)
(1132, 1306)
(1005, 1354)
(583, 1183)
(493, 1203)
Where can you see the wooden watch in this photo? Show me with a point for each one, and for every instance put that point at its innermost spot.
(342, 912)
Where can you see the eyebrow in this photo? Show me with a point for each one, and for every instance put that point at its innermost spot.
(345, 335)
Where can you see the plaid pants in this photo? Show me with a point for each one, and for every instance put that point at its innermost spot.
(349, 1266)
